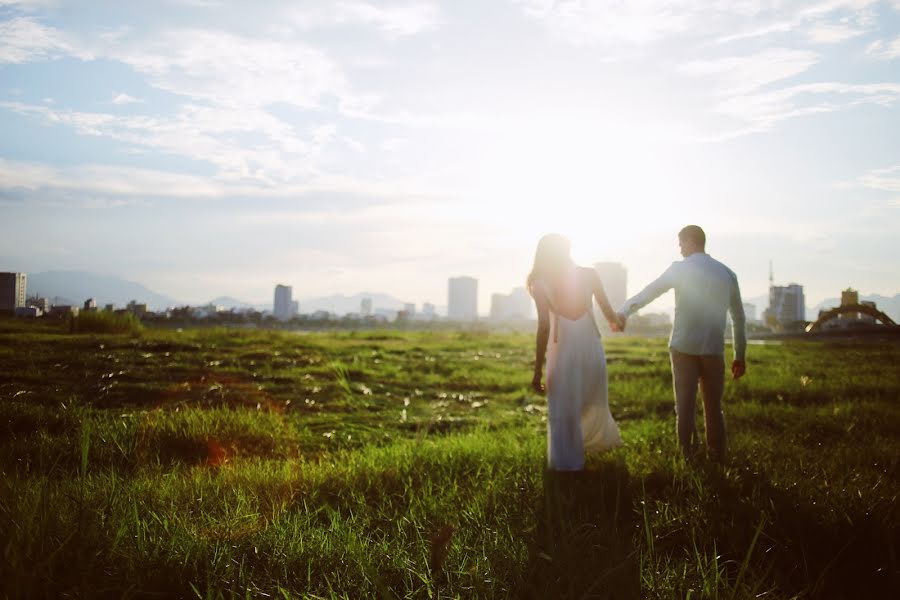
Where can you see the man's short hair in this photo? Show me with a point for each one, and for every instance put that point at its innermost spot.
(693, 233)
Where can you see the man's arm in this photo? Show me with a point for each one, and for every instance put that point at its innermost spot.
(738, 330)
(657, 288)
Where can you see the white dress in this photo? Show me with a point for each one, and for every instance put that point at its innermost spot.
(579, 419)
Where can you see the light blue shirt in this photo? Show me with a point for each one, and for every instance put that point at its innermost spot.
(704, 290)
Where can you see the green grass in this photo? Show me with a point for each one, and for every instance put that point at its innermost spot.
(105, 322)
(235, 463)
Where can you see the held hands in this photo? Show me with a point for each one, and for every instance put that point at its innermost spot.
(738, 368)
(618, 324)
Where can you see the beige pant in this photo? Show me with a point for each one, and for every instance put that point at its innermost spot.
(688, 370)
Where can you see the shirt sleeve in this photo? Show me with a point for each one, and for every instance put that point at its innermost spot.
(738, 321)
(657, 288)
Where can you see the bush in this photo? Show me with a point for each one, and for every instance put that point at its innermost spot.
(105, 322)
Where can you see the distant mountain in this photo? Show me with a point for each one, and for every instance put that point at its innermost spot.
(888, 305)
(341, 304)
(74, 287)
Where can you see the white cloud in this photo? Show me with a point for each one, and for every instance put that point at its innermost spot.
(98, 203)
(832, 33)
(204, 134)
(772, 28)
(740, 74)
(426, 210)
(647, 21)
(91, 180)
(391, 19)
(200, 3)
(394, 144)
(228, 69)
(751, 89)
(353, 144)
(123, 98)
(22, 39)
(589, 21)
(826, 7)
(886, 50)
(886, 180)
(27, 5)
(100, 179)
(229, 81)
(760, 111)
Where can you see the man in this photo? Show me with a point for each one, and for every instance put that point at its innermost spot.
(704, 290)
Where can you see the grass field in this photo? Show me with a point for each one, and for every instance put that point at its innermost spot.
(239, 463)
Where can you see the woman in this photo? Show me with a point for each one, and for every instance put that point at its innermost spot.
(579, 418)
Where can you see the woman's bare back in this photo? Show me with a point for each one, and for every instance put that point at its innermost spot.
(572, 293)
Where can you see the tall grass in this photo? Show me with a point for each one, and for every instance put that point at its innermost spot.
(223, 464)
(105, 322)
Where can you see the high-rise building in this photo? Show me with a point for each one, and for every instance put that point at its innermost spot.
(462, 299)
(12, 291)
(428, 310)
(90, 304)
(515, 305)
(521, 304)
(787, 304)
(410, 309)
(614, 277)
(365, 307)
(283, 305)
(499, 307)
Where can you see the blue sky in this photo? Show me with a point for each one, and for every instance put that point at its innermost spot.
(207, 148)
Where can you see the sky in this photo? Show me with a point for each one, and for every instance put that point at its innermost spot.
(210, 148)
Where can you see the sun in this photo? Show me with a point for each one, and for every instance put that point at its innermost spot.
(600, 186)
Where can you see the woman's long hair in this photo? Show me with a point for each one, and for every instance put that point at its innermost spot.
(551, 258)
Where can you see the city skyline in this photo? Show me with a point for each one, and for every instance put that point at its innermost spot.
(352, 145)
(785, 311)
(503, 305)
